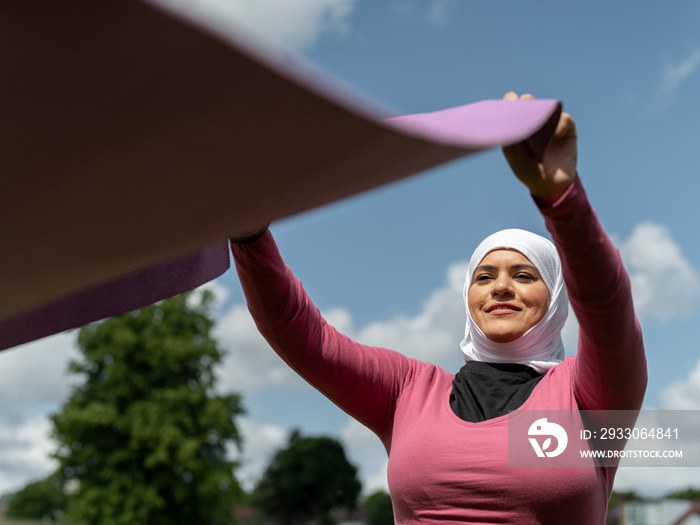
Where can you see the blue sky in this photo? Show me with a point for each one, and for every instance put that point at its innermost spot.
(387, 267)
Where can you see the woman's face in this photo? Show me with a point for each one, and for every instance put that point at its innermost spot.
(506, 296)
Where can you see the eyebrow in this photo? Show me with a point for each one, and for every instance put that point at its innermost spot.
(513, 267)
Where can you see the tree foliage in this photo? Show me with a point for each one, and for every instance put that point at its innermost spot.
(629, 495)
(379, 508)
(144, 437)
(691, 493)
(44, 500)
(619, 498)
(306, 480)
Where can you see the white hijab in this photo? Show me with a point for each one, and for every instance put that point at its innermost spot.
(541, 346)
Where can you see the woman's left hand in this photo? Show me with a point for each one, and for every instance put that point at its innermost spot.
(548, 180)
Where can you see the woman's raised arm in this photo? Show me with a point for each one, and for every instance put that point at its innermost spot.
(611, 366)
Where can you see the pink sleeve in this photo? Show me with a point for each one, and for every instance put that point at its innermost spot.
(364, 381)
(611, 369)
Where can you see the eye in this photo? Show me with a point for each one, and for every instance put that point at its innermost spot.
(482, 278)
(525, 277)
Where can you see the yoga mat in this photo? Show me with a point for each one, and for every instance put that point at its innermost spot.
(134, 142)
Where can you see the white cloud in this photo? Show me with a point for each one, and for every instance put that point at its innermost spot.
(664, 283)
(25, 453)
(340, 319)
(260, 442)
(440, 11)
(569, 334)
(663, 280)
(674, 74)
(33, 376)
(295, 25)
(683, 394)
(220, 294)
(657, 481)
(367, 453)
(33, 384)
(434, 333)
(250, 365)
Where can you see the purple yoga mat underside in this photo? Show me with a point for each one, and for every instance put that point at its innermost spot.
(124, 294)
(135, 143)
(487, 123)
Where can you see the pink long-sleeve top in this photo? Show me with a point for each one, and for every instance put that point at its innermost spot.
(443, 469)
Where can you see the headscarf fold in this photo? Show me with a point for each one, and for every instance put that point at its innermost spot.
(541, 347)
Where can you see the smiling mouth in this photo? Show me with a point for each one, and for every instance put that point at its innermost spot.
(503, 308)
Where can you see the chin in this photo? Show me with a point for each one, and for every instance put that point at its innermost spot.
(503, 338)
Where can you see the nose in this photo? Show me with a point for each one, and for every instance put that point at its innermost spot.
(503, 286)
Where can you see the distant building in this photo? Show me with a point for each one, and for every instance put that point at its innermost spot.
(4, 502)
(663, 512)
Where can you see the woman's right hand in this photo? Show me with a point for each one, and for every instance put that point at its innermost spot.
(548, 180)
(249, 234)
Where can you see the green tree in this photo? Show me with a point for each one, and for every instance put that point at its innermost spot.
(617, 498)
(144, 437)
(379, 508)
(306, 480)
(44, 500)
(692, 493)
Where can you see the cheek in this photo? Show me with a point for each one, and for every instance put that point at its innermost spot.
(541, 303)
(473, 300)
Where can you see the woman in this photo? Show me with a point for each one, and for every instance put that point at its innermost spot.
(446, 434)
